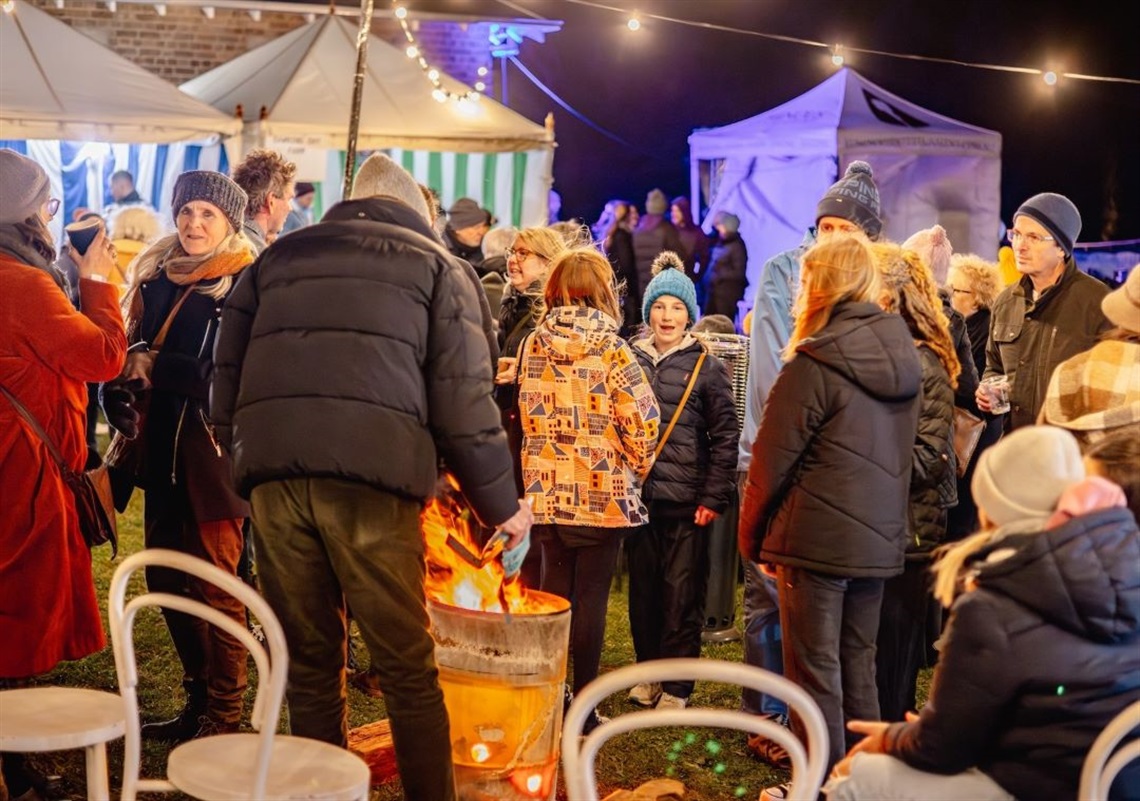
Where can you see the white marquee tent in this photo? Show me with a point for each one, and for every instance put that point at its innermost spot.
(81, 111)
(772, 169)
(295, 95)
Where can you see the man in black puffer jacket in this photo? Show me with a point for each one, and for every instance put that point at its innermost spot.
(349, 359)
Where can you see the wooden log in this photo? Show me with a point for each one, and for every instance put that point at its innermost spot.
(373, 743)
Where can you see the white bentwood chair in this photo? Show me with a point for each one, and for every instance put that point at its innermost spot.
(1100, 768)
(253, 766)
(579, 753)
(39, 719)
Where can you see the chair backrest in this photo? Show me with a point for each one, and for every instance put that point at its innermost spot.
(579, 754)
(272, 667)
(1099, 768)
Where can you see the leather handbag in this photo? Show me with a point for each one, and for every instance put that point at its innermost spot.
(91, 488)
(968, 429)
(126, 455)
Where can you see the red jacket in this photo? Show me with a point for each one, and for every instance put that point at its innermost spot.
(48, 353)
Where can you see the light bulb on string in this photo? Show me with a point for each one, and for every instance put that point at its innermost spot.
(634, 23)
(1049, 77)
(439, 95)
(481, 72)
(837, 55)
(401, 12)
(433, 75)
(8, 6)
(412, 51)
(480, 86)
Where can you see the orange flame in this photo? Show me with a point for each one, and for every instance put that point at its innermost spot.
(454, 581)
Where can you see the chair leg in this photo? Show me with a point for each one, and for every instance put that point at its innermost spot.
(97, 784)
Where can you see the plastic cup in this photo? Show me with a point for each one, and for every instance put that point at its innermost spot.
(997, 388)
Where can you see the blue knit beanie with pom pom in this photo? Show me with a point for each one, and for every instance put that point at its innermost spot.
(669, 279)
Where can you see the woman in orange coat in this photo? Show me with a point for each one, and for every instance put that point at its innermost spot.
(48, 353)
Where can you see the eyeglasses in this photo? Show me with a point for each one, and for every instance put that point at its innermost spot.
(1033, 239)
(52, 207)
(522, 254)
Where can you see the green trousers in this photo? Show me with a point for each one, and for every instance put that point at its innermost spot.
(321, 542)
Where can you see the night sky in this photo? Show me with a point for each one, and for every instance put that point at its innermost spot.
(653, 87)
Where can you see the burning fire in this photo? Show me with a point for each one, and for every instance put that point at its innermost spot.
(453, 580)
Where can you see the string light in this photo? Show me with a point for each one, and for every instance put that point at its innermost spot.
(711, 26)
(837, 55)
(634, 23)
(439, 92)
(8, 6)
(1050, 78)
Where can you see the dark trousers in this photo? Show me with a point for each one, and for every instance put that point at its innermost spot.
(829, 625)
(323, 542)
(206, 652)
(578, 564)
(901, 645)
(668, 574)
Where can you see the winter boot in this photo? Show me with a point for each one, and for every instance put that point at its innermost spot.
(185, 726)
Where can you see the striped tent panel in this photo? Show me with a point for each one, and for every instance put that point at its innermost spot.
(514, 186)
(80, 172)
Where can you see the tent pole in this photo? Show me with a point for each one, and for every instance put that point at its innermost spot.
(357, 90)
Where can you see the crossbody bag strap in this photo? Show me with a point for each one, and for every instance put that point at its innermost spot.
(161, 337)
(35, 424)
(680, 406)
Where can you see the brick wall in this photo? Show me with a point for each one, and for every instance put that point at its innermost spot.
(183, 44)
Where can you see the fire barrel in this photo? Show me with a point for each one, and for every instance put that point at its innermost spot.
(502, 677)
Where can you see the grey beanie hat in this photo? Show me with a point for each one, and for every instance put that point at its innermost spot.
(380, 176)
(1059, 216)
(212, 187)
(1023, 475)
(853, 197)
(24, 187)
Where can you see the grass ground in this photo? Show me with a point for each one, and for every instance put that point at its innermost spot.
(722, 771)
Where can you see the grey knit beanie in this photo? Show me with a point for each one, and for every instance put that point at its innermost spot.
(656, 202)
(380, 176)
(212, 187)
(1023, 475)
(1059, 216)
(24, 187)
(853, 197)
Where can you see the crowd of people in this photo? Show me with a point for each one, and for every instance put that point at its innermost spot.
(286, 392)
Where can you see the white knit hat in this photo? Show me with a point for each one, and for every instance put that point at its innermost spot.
(379, 175)
(1023, 475)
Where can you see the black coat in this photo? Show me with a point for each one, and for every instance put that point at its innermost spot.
(964, 349)
(653, 235)
(179, 441)
(697, 466)
(727, 276)
(831, 463)
(353, 349)
(933, 476)
(1028, 338)
(1036, 660)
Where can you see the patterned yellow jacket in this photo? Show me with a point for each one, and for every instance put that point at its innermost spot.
(589, 422)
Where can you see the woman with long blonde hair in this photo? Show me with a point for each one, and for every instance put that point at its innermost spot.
(172, 309)
(590, 424)
(826, 496)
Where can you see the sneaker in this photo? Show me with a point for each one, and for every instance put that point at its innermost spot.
(769, 750)
(368, 682)
(645, 694)
(668, 701)
(593, 721)
(779, 792)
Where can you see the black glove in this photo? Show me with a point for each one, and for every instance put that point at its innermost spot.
(118, 405)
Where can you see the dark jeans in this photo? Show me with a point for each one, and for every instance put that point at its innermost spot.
(578, 564)
(829, 625)
(206, 652)
(901, 645)
(668, 574)
(323, 542)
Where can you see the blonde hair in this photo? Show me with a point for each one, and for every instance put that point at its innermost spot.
(544, 241)
(910, 291)
(137, 223)
(497, 240)
(168, 252)
(582, 277)
(833, 271)
(950, 563)
(983, 277)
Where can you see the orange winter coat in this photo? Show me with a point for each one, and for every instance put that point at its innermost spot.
(48, 353)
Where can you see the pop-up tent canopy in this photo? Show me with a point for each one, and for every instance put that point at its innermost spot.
(82, 111)
(772, 169)
(56, 83)
(295, 94)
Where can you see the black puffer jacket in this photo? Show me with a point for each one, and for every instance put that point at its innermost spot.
(933, 476)
(964, 348)
(697, 466)
(353, 349)
(827, 485)
(1029, 339)
(1036, 661)
(727, 276)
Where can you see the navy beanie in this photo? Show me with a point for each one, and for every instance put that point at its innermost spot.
(854, 197)
(669, 279)
(1059, 216)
